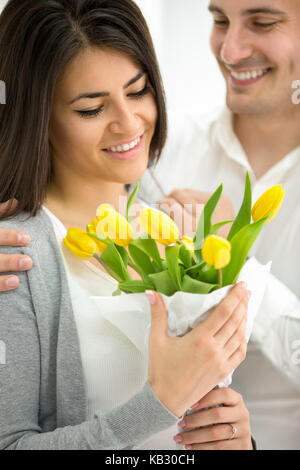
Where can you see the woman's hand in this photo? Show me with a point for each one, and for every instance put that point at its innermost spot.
(182, 369)
(219, 423)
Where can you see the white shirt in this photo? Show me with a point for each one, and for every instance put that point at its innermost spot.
(200, 154)
(114, 369)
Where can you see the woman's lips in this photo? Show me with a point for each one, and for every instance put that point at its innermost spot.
(128, 154)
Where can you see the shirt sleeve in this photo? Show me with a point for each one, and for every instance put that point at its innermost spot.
(127, 426)
(277, 328)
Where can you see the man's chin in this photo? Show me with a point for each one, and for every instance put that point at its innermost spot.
(239, 105)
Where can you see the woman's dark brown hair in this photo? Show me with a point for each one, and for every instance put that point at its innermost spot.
(38, 38)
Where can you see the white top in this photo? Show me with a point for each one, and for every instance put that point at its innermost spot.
(114, 369)
(200, 154)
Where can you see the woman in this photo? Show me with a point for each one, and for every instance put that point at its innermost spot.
(85, 115)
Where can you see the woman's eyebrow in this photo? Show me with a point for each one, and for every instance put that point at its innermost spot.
(98, 94)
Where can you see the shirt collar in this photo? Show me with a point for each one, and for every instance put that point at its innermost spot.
(222, 129)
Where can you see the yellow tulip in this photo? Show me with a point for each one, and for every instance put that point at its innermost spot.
(113, 225)
(216, 251)
(78, 241)
(92, 229)
(269, 202)
(159, 226)
(188, 243)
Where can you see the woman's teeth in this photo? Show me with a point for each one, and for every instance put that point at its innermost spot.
(125, 147)
(248, 75)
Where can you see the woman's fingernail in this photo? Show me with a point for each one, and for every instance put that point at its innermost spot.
(243, 285)
(12, 281)
(151, 297)
(23, 238)
(188, 447)
(25, 263)
(178, 438)
(182, 424)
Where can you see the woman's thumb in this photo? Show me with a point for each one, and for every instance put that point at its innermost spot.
(159, 314)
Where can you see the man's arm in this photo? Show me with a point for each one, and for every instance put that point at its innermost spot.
(10, 263)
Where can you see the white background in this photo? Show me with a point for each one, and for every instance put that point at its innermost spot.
(180, 30)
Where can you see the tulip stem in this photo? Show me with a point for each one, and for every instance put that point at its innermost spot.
(220, 277)
(107, 268)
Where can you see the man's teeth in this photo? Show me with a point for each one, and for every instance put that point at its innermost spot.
(125, 147)
(248, 75)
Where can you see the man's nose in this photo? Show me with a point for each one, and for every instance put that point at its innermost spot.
(125, 120)
(236, 47)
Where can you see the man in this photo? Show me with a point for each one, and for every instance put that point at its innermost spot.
(256, 45)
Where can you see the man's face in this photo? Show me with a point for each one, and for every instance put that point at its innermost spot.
(257, 46)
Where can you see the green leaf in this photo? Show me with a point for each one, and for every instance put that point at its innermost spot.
(149, 247)
(185, 256)
(141, 259)
(116, 292)
(240, 246)
(205, 221)
(123, 254)
(172, 258)
(131, 202)
(208, 274)
(196, 287)
(244, 216)
(112, 258)
(216, 227)
(134, 286)
(163, 283)
(106, 240)
(194, 270)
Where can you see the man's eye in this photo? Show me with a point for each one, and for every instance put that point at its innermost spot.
(265, 25)
(90, 112)
(221, 22)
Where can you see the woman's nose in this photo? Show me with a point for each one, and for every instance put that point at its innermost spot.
(236, 47)
(125, 120)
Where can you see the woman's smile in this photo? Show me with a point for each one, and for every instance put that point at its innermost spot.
(126, 151)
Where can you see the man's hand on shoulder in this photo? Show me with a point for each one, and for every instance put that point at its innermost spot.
(10, 263)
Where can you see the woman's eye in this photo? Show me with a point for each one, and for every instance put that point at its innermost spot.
(90, 112)
(140, 93)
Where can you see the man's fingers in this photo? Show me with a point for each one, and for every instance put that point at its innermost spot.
(225, 395)
(9, 237)
(8, 283)
(14, 263)
(192, 205)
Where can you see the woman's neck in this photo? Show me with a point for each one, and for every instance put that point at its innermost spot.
(76, 204)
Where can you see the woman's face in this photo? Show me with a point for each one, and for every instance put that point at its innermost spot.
(103, 118)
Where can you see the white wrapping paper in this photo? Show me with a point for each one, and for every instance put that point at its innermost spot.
(130, 313)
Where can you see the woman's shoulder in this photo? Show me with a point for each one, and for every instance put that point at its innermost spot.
(43, 244)
(37, 227)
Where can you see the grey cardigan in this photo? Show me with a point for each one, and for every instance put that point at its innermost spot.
(42, 392)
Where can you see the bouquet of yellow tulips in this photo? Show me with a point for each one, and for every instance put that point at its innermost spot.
(200, 265)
